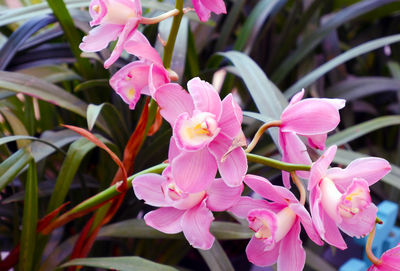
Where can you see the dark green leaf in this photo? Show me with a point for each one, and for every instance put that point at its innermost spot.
(29, 220)
(120, 263)
(216, 258)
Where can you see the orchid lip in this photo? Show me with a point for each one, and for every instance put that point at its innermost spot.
(180, 199)
(193, 133)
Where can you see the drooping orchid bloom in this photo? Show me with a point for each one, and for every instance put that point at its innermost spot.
(203, 128)
(276, 225)
(390, 261)
(181, 211)
(116, 19)
(203, 8)
(136, 78)
(339, 198)
(312, 118)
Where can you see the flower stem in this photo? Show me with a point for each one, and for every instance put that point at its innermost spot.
(300, 187)
(275, 163)
(368, 247)
(96, 200)
(160, 18)
(169, 47)
(261, 130)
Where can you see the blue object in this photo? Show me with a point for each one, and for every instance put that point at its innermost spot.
(392, 240)
(354, 265)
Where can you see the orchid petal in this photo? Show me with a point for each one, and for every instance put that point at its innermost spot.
(148, 187)
(391, 259)
(201, 10)
(205, 97)
(264, 188)
(297, 97)
(194, 171)
(127, 31)
(294, 151)
(173, 100)
(257, 254)
(165, 219)
(306, 221)
(220, 197)
(245, 204)
(216, 6)
(99, 37)
(371, 169)
(319, 168)
(300, 117)
(158, 76)
(291, 246)
(234, 167)
(196, 226)
(317, 141)
(139, 46)
(231, 117)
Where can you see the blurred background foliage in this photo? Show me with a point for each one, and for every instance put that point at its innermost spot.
(272, 48)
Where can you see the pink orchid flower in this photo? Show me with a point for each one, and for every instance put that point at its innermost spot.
(203, 8)
(276, 225)
(312, 118)
(136, 78)
(203, 128)
(390, 260)
(116, 19)
(181, 211)
(340, 197)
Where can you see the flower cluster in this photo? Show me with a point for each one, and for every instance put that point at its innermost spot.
(204, 130)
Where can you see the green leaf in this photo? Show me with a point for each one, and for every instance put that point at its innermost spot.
(51, 74)
(137, 228)
(361, 129)
(216, 258)
(345, 157)
(112, 117)
(16, 125)
(35, 87)
(76, 152)
(10, 168)
(333, 63)
(92, 84)
(267, 97)
(311, 41)
(29, 220)
(120, 263)
(250, 29)
(355, 88)
(73, 36)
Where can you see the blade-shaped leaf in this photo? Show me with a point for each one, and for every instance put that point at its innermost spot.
(333, 63)
(355, 88)
(76, 152)
(120, 263)
(137, 228)
(35, 87)
(216, 258)
(361, 129)
(267, 97)
(312, 40)
(29, 219)
(10, 168)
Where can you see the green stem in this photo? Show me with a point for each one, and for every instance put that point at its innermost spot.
(111, 192)
(167, 57)
(275, 163)
(169, 47)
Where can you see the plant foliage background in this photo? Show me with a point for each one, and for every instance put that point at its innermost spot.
(337, 49)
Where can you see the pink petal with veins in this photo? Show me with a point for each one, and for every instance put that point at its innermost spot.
(196, 226)
(165, 219)
(205, 97)
(173, 101)
(194, 171)
(221, 197)
(234, 167)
